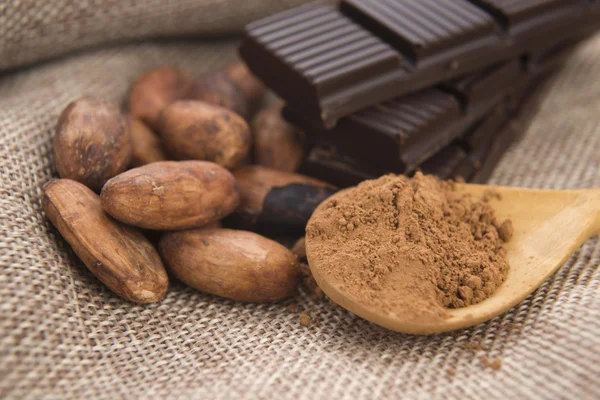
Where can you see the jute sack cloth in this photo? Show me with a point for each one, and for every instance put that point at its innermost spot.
(63, 335)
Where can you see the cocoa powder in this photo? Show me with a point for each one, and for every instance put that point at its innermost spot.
(410, 246)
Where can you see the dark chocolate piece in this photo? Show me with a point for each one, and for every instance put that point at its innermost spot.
(327, 66)
(462, 157)
(551, 57)
(314, 57)
(400, 134)
(426, 30)
(445, 162)
(342, 171)
(501, 143)
(521, 13)
(379, 134)
(490, 139)
(472, 157)
(478, 87)
(480, 133)
(478, 141)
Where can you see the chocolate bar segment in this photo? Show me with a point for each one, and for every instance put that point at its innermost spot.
(386, 134)
(478, 140)
(473, 157)
(409, 135)
(424, 29)
(420, 29)
(329, 64)
(511, 13)
(400, 134)
(488, 140)
(480, 164)
(502, 142)
(477, 87)
(478, 136)
(445, 162)
(463, 156)
(315, 57)
(343, 171)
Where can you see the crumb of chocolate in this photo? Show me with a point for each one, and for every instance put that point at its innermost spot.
(451, 371)
(304, 319)
(496, 364)
(417, 247)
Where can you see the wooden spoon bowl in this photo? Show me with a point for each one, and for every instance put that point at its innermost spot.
(549, 226)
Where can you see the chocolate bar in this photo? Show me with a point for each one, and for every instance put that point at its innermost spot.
(489, 160)
(479, 135)
(478, 142)
(328, 63)
(473, 157)
(487, 141)
(481, 162)
(400, 134)
(476, 88)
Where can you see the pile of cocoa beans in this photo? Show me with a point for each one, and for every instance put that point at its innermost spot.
(179, 184)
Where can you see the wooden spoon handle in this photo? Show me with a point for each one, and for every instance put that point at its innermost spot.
(594, 196)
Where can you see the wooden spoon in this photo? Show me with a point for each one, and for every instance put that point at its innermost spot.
(549, 226)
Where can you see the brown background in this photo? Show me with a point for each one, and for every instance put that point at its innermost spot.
(63, 335)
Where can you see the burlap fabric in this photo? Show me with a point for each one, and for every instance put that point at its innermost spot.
(63, 335)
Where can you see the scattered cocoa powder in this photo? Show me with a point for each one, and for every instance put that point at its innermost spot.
(475, 346)
(304, 319)
(411, 247)
(310, 285)
(492, 363)
(317, 294)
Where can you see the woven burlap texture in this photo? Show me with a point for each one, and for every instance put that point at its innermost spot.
(32, 30)
(63, 335)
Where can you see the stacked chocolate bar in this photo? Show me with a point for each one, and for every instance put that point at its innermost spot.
(400, 85)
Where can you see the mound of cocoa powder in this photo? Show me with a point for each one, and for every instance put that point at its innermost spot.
(411, 246)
